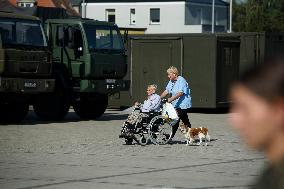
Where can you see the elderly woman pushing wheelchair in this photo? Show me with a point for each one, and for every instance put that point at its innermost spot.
(179, 92)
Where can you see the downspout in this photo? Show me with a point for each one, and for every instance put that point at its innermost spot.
(181, 55)
(84, 9)
(231, 15)
(131, 69)
(213, 16)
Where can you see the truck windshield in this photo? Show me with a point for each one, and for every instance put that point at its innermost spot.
(103, 38)
(21, 32)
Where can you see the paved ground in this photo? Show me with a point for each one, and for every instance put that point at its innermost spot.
(77, 154)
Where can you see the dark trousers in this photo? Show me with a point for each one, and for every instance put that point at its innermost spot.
(182, 113)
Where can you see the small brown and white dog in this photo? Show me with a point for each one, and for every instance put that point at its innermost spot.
(192, 133)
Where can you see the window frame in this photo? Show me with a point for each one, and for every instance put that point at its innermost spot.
(107, 12)
(132, 16)
(200, 18)
(25, 4)
(151, 21)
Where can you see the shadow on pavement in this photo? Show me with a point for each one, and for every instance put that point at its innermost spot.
(191, 110)
(194, 144)
(111, 114)
(32, 119)
(209, 110)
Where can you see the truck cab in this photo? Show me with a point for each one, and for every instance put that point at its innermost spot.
(90, 59)
(25, 64)
(90, 50)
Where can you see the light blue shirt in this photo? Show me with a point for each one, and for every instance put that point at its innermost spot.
(152, 103)
(180, 85)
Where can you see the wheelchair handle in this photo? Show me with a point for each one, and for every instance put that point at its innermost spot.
(164, 100)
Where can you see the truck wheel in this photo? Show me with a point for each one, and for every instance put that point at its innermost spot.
(51, 106)
(13, 112)
(91, 107)
(20, 111)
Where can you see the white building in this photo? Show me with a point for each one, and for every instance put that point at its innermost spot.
(161, 16)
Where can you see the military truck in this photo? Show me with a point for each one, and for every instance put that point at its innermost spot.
(25, 65)
(89, 62)
(80, 64)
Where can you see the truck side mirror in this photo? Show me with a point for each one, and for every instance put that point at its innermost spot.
(125, 36)
(60, 36)
(0, 37)
(69, 37)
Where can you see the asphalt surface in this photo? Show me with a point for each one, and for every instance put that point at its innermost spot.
(75, 154)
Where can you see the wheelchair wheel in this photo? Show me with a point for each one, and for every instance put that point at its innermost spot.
(159, 130)
(141, 139)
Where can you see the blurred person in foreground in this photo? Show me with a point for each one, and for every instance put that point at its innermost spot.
(257, 112)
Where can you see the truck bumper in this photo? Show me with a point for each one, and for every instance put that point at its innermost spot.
(107, 86)
(24, 85)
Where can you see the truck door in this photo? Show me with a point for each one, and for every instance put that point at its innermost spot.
(228, 60)
(1, 56)
(69, 49)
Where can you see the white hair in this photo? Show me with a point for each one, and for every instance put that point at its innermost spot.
(153, 86)
(173, 70)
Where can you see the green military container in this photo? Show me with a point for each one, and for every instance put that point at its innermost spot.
(209, 62)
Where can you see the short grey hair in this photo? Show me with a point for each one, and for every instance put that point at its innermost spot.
(154, 86)
(173, 70)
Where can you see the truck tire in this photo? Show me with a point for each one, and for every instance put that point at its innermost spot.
(52, 107)
(13, 112)
(91, 107)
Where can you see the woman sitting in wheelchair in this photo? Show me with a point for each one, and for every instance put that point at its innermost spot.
(144, 122)
(152, 104)
(153, 101)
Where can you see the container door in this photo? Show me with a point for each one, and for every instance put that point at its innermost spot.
(228, 60)
(274, 44)
(150, 60)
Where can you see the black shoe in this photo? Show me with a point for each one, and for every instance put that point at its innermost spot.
(122, 135)
(128, 141)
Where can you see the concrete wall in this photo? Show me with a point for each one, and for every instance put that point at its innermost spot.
(172, 16)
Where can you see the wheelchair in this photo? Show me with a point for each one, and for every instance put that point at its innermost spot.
(152, 127)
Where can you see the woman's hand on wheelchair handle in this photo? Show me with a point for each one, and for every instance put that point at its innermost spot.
(137, 105)
(164, 100)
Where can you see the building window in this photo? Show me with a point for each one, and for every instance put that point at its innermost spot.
(217, 18)
(155, 16)
(132, 17)
(110, 15)
(199, 17)
(27, 3)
